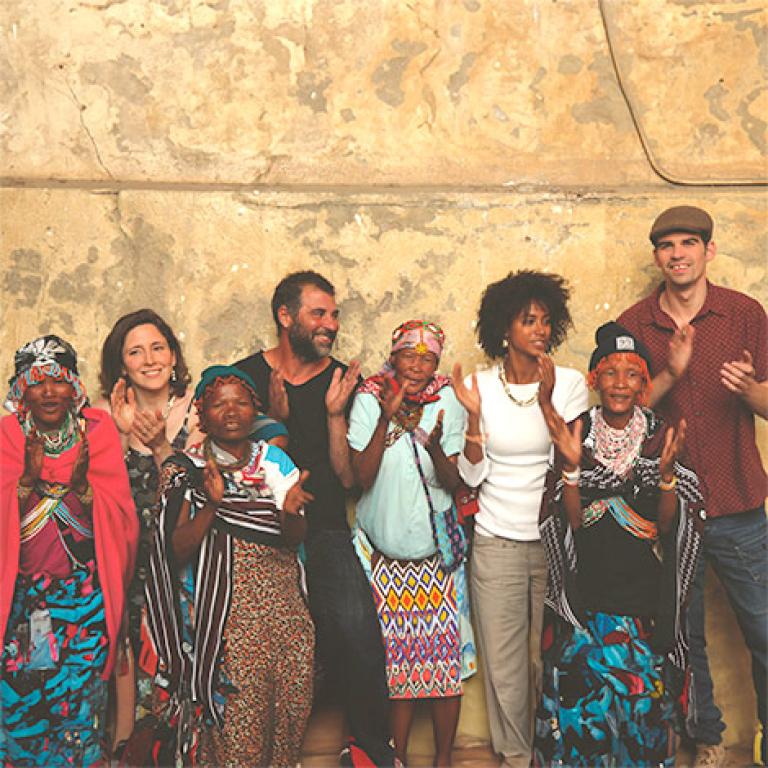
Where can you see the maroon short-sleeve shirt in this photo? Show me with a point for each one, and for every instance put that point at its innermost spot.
(720, 443)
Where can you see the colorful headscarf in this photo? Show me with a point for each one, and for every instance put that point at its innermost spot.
(420, 335)
(423, 336)
(214, 373)
(46, 356)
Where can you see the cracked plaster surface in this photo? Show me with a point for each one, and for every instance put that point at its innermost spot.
(210, 261)
(479, 93)
(699, 78)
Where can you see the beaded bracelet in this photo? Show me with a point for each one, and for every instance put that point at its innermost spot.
(476, 439)
(572, 477)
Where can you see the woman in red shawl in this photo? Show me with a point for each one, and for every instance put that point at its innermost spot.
(67, 544)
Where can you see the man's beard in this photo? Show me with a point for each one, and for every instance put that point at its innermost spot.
(305, 347)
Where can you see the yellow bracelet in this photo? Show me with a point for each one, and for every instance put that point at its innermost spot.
(670, 486)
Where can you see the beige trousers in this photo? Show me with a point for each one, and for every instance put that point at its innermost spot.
(508, 579)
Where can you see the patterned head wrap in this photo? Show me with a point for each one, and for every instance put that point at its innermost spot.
(46, 356)
(220, 373)
(424, 337)
(420, 335)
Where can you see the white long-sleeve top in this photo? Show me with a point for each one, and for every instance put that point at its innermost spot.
(517, 451)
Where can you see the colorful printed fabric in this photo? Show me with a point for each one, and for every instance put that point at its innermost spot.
(605, 702)
(640, 491)
(268, 660)
(609, 699)
(623, 514)
(364, 550)
(430, 393)
(144, 479)
(421, 335)
(54, 716)
(56, 531)
(114, 519)
(417, 608)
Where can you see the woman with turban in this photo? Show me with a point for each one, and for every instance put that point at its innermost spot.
(225, 601)
(67, 544)
(618, 526)
(406, 429)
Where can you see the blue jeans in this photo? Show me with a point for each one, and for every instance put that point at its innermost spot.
(349, 638)
(735, 547)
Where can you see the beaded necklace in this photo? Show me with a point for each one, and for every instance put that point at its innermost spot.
(406, 419)
(529, 401)
(617, 449)
(58, 440)
(243, 472)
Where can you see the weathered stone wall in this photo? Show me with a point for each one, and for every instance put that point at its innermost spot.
(185, 155)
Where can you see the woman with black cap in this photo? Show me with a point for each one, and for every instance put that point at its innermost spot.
(618, 526)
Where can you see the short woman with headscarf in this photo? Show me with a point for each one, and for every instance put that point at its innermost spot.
(618, 524)
(67, 544)
(405, 430)
(224, 593)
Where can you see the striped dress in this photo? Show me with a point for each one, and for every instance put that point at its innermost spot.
(232, 630)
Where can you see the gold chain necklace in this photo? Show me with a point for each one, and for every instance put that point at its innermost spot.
(519, 403)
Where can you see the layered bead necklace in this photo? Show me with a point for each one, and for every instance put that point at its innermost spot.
(617, 449)
(58, 440)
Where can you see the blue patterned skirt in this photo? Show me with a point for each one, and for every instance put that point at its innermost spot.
(52, 697)
(604, 699)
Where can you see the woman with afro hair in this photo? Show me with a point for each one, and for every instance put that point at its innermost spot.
(522, 319)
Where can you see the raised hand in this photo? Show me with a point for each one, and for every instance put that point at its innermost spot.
(436, 435)
(149, 428)
(213, 483)
(566, 440)
(391, 397)
(680, 350)
(738, 375)
(674, 442)
(122, 401)
(340, 388)
(469, 398)
(34, 450)
(278, 397)
(297, 497)
(547, 385)
(79, 480)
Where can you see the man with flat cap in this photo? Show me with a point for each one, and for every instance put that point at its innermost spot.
(709, 348)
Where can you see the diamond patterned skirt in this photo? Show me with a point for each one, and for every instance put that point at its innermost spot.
(416, 605)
